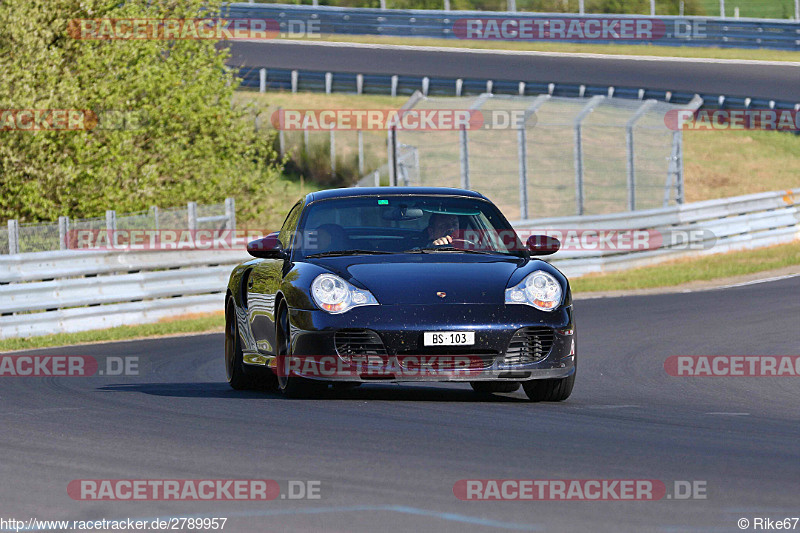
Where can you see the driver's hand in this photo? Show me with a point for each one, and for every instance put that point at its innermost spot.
(447, 239)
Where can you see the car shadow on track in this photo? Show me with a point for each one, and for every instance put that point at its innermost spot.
(384, 392)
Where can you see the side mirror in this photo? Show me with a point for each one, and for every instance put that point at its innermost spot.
(268, 247)
(543, 245)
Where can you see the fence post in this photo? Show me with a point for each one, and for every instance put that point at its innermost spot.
(447, 5)
(581, 7)
(579, 150)
(306, 141)
(426, 81)
(360, 153)
(262, 80)
(797, 10)
(359, 83)
(154, 210)
(295, 80)
(333, 152)
(652, 8)
(383, 4)
(463, 144)
(13, 237)
(459, 86)
(392, 151)
(328, 82)
(631, 161)
(230, 212)
(191, 215)
(522, 154)
(63, 233)
(722, 9)
(394, 85)
(677, 138)
(377, 177)
(111, 220)
(512, 5)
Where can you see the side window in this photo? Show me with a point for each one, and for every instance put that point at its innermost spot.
(289, 225)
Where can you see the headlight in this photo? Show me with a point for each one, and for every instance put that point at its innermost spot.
(335, 295)
(539, 289)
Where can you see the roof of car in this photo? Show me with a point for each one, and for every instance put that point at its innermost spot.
(385, 191)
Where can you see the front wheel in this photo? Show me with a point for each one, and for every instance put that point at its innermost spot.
(549, 390)
(234, 360)
(291, 386)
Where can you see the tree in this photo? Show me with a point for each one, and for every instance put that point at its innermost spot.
(166, 130)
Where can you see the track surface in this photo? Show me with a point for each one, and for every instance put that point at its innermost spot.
(780, 82)
(388, 455)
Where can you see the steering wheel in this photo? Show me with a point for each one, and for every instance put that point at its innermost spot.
(462, 243)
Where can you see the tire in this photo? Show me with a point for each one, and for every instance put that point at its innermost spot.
(291, 386)
(549, 390)
(235, 372)
(489, 387)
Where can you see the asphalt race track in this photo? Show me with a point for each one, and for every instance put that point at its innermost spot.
(779, 82)
(387, 456)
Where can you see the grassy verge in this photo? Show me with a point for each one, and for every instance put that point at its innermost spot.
(695, 269)
(572, 48)
(172, 326)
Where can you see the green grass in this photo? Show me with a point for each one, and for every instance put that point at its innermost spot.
(542, 46)
(178, 325)
(771, 9)
(694, 269)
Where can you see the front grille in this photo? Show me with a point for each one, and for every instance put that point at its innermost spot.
(448, 362)
(363, 345)
(529, 345)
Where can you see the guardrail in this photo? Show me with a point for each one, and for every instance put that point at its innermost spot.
(679, 31)
(698, 228)
(296, 80)
(67, 291)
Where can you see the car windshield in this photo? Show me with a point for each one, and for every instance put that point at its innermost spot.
(404, 224)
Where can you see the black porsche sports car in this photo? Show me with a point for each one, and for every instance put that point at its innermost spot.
(397, 284)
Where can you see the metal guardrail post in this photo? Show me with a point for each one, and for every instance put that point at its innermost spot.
(459, 86)
(328, 82)
(262, 80)
(394, 85)
(593, 102)
(652, 8)
(581, 7)
(377, 177)
(191, 215)
(722, 9)
(631, 155)
(359, 83)
(426, 81)
(512, 5)
(230, 212)
(63, 233)
(13, 237)
(360, 153)
(679, 167)
(295, 80)
(154, 211)
(797, 10)
(447, 5)
(463, 145)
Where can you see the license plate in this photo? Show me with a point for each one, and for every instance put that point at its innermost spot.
(449, 338)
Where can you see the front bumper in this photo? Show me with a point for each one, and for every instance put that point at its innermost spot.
(401, 328)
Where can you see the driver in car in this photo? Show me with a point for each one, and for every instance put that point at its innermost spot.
(441, 228)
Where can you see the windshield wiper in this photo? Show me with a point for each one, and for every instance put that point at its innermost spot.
(437, 249)
(338, 253)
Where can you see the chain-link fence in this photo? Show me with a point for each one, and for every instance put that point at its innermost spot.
(548, 156)
(35, 237)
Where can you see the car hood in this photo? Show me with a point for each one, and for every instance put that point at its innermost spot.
(419, 279)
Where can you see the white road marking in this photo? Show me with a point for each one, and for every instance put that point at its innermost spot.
(718, 413)
(532, 53)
